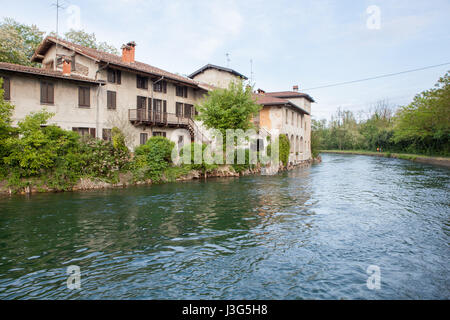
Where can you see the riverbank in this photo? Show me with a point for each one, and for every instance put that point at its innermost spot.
(126, 179)
(439, 161)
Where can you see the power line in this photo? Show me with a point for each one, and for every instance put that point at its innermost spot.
(376, 77)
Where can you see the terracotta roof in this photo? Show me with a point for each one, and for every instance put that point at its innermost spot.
(44, 72)
(212, 66)
(108, 58)
(290, 94)
(269, 100)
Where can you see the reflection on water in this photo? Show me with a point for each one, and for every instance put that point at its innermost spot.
(308, 233)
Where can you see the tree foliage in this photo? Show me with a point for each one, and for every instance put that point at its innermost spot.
(18, 42)
(231, 108)
(423, 126)
(89, 40)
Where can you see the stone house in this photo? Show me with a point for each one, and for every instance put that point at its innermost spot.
(91, 92)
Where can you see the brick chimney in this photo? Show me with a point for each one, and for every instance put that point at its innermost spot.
(295, 88)
(67, 66)
(128, 52)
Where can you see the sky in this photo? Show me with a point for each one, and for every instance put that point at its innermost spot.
(306, 43)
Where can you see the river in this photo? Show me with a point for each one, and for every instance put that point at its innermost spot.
(309, 233)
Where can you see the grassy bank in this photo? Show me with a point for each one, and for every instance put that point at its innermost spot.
(441, 161)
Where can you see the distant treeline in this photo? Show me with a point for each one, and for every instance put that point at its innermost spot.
(422, 127)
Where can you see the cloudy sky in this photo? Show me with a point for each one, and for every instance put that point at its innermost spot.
(309, 43)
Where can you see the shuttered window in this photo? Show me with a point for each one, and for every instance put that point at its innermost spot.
(114, 76)
(84, 97)
(141, 82)
(188, 110)
(6, 86)
(111, 100)
(143, 138)
(179, 109)
(85, 131)
(141, 102)
(181, 91)
(159, 134)
(160, 86)
(47, 92)
(106, 134)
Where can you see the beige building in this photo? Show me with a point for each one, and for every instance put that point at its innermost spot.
(91, 92)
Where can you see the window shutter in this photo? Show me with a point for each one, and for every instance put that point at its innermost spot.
(114, 100)
(137, 82)
(50, 93)
(145, 83)
(185, 92)
(43, 92)
(6, 89)
(164, 84)
(164, 106)
(119, 77)
(92, 132)
(80, 97)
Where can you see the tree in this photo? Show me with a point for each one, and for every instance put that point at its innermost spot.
(18, 42)
(425, 123)
(231, 108)
(89, 40)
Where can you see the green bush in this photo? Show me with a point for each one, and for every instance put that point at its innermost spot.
(203, 166)
(101, 159)
(285, 148)
(152, 158)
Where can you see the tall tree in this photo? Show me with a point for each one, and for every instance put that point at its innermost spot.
(89, 40)
(18, 41)
(230, 108)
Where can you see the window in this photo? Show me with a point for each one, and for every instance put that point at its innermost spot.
(188, 110)
(85, 131)
(181, 91)
(47, 92)
(106, 135)
(179, 109)
(141, 82)
(287, 116)
(114, 76)
(84, 99)
(141, 102)
(159, 134)
(6, 88)
(143, 138)
(160, 86)
(111, 100)
(180, 142)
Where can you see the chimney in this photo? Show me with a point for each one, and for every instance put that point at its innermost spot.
(261, 91)
(67, 66)
(128, 52)
(295, 88)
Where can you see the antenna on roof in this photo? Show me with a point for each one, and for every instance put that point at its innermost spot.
(228, 59)
(58, 6)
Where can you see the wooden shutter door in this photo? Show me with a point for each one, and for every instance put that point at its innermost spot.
(50, 93)
(92, 132)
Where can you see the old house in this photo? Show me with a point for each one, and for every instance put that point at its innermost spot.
(91, 92)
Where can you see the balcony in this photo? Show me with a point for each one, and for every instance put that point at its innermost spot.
(154, 118)
(165, 119)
